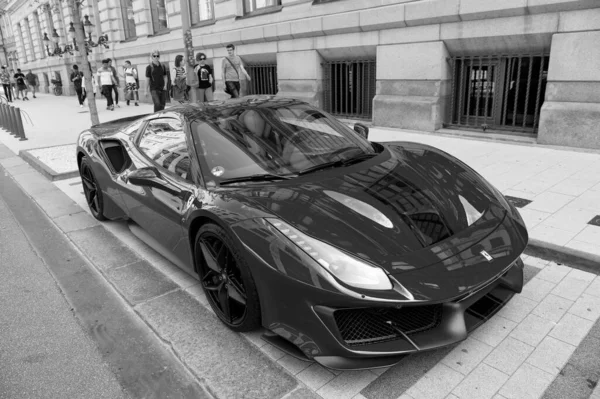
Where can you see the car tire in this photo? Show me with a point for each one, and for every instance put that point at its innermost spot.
(91, 189)
(234, 278)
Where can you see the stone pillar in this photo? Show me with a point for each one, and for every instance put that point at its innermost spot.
(570, 114)
(34, 23)
(26, 46)
(412, 86)
(300, 75)
(29, 34)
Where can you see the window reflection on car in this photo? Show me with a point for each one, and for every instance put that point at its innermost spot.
(285, 140)
(163, 142)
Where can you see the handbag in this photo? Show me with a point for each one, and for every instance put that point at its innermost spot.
(236, 71)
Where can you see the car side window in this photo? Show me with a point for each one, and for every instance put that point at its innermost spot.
(163, 142)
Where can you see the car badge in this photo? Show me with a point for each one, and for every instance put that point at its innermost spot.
(487, 256)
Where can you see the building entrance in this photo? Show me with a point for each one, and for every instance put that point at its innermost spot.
(498, 92)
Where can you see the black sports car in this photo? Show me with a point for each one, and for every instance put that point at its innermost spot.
(350, 252)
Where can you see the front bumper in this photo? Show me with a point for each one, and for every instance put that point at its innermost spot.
(433, 325)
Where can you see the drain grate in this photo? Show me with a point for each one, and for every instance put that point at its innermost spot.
(517, 202)
(595, 221)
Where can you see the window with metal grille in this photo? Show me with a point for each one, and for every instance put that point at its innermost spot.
(263, 79)
(349, 88)
(502, 92)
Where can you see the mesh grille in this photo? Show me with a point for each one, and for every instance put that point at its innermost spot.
(374, 325)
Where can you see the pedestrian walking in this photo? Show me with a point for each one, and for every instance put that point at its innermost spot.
(115, 87)
(13, 84)
(179, 77)
(32, 81)
(106, 81)
(5, 81)
(231, 66)
(77, 79)
(205, 78)
(21, 86)
(156, 75)
(132, 83)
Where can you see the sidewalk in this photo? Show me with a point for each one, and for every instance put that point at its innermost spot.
(557, 190)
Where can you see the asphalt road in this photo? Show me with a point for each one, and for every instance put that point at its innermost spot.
(44, 353)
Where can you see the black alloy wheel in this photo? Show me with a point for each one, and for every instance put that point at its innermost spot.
(93, 193)
(226, 279)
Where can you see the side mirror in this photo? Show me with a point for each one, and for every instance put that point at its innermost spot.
(144, 177)
(362, 130)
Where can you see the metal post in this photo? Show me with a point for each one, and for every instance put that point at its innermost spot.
(517, 89)
(12, 120)
(20, 129)
(2, 115)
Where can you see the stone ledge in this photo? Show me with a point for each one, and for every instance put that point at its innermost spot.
(51, 166)
(569, 256)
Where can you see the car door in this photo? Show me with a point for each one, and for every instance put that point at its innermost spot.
(159, 205)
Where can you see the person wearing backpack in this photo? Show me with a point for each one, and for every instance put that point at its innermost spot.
(232, 65)
(178, 77)
(156, 75)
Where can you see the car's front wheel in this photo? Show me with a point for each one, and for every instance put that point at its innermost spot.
(226, 279)
(91, 190)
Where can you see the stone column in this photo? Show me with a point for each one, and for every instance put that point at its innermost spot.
(412, 86)
(26, 46)
(34, 23)
(29, 33)
(300, 75)
(571, 110)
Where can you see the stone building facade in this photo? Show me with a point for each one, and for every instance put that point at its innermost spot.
(525, 66)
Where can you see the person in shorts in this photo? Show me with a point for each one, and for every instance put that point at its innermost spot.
(21, 86)
(232, 66)
(32, 81)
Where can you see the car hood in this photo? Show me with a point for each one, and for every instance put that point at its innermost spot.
(405, 208)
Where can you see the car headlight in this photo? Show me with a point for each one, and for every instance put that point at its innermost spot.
(344, 267)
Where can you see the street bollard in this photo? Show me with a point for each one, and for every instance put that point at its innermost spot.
(3, 116)
(20, 129)
(13, 120)
(10, 120)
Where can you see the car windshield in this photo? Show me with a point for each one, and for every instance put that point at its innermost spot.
(273, 140)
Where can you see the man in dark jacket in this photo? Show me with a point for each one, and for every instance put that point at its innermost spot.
(116, 86)
(77, 78)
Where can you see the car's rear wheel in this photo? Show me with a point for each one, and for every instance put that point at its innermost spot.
(226, 279)
(91, 190)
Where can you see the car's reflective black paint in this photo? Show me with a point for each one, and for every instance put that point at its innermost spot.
(404, 210)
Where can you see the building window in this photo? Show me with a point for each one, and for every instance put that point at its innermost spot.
(255, 5)
(128, 19)
(160, 21)
(201, 10)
